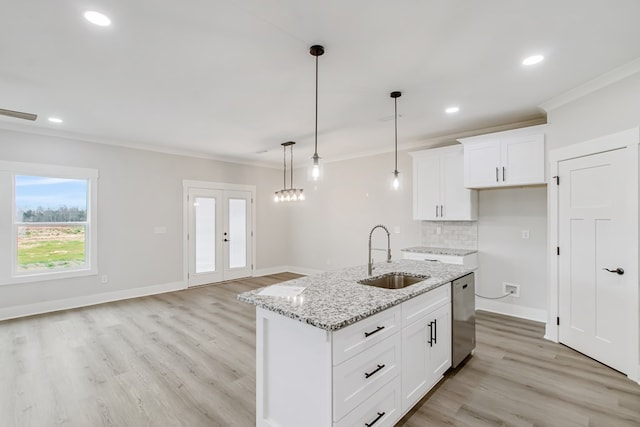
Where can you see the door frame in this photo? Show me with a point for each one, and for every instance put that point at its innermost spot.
(186, 185)
(628, 139)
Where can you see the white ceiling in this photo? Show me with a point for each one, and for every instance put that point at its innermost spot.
(233, 78)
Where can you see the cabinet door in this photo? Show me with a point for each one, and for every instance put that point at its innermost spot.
(523, 160)
(416, 375)
(439, 351)
(482, 164)
(426, 187)
(456, 201)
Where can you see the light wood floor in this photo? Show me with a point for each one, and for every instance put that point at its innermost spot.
(188, 358)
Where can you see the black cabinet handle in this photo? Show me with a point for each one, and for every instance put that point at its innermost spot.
(503, 174)
(378, 329)
(430, 334)
(618, 270)
(370, 374)
(441, 213)
(497, 174)
(436, 211)
(435, 331)
(380, 415)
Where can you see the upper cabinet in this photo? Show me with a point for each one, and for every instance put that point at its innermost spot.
(505, 159)
(438, 186)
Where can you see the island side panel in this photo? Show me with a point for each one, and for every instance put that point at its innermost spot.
(293, 372)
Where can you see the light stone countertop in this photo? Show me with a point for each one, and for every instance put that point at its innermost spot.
(439, 251)
(334, 299)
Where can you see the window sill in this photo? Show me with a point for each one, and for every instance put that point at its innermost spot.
(42, 277)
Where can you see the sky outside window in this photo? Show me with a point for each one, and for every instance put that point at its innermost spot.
(33, 192)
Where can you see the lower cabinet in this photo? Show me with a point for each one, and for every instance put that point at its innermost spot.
(366, 374)
(426, 354)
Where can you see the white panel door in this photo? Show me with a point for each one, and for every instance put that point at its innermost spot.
(595, 305)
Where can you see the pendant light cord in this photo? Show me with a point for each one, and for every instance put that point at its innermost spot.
(315, 155)
(284, 158)
(395, 102)
(292, 166)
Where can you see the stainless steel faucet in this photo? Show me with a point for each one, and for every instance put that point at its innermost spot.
(370, 265)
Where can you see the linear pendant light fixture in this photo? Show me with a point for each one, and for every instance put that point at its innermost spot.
(288, 194)
(396, 181)
(316, 50)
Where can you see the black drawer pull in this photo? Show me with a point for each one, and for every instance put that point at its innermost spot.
(430, 341)
(378, 329)
(380, 415)
(367, 375)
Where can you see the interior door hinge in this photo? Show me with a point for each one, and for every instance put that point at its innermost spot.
(558, 321)
(558, 250)
(557, 178)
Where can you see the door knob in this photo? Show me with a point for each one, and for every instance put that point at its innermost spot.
(226, 240)
(617, 270)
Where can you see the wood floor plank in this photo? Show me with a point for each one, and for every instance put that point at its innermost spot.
(187, 358)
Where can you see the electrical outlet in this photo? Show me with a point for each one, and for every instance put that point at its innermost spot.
(438, 230)
(512, 289)
(104, 278)
(525, 234)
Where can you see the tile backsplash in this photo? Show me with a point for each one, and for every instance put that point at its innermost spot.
(450, 234)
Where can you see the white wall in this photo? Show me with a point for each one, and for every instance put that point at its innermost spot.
(611, 109)
(331, 229)
(504, 256)
(138, 190)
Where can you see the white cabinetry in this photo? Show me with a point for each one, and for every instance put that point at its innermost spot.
(426, 343)
(504, 159)
(371, 372)
(438, 187)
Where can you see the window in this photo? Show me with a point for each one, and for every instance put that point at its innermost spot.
(50, 215)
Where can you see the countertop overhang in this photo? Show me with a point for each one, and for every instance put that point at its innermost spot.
(334, 299)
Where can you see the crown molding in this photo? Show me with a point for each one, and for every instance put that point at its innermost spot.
(591, 86)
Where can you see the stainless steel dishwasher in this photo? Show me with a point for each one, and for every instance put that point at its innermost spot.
(463, 318)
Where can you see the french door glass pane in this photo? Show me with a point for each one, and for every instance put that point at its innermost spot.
(237, 233)
(205, 234)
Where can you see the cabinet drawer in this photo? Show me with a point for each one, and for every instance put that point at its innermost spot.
(362, 335)
(358, 378)
(381, 410)
(416, 308)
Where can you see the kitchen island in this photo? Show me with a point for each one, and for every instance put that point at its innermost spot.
(341, 353)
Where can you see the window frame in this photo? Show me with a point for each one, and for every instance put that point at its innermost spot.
(9, 274)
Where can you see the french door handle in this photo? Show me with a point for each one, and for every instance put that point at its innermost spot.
(618, 270)
(225, 240)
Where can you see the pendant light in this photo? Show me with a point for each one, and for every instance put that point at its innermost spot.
(396, 181)
(316, 50)
(288, 194)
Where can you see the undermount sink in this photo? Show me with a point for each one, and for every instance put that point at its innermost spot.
(393, 280)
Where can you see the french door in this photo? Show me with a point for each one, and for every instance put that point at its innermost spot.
(219, 235)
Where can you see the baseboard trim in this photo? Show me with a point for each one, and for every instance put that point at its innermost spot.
(87, 300)
(520, 311)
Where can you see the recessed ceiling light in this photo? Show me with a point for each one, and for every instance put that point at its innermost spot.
(452, 110)
(97, 18)
(534, 59)
(55, 120)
